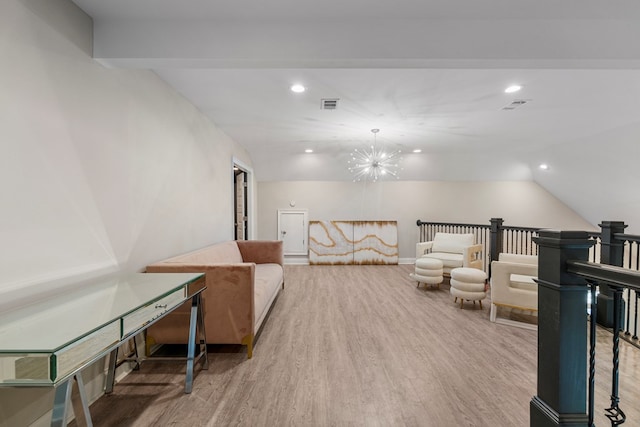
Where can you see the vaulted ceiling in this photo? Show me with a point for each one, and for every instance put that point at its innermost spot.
(430, 74)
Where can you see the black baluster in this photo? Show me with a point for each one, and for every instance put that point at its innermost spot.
(626, 332)
(592, 354)
(614, 413)
(629, 245)
(635, 318)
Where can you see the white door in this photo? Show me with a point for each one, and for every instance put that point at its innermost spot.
(292, 230)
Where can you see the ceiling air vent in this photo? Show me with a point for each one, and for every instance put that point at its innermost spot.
(516, 103)
(329, 103)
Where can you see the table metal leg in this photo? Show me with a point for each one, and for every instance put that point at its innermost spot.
(188, 384)
(203, 334)
(83, 399)
(60, 404)
(113, 358)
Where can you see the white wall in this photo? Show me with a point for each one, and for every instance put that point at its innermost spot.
(101, 170)
(607, 167)
(521, 203)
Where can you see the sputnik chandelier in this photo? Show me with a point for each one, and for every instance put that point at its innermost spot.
(374, 164)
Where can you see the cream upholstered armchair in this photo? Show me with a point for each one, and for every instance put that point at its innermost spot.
(513, 285)
(454, 250)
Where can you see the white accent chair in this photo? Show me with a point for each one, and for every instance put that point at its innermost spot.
(454, 250)
(513, 286)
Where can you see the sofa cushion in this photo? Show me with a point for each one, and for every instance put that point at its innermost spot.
(267, 279)
(451, 243)
(449, 260)
(518, 258)
(520, 281)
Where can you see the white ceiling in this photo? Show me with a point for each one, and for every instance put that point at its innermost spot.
(429, 73)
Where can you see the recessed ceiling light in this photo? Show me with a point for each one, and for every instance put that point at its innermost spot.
(512, 88)
(544, 166)
(417, 150)
(298, 88)
(308, 150)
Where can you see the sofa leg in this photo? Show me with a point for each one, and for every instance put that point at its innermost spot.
(248, 341)
(480, 304)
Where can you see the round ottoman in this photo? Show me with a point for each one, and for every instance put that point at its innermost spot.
(428, 271)
(468, 284)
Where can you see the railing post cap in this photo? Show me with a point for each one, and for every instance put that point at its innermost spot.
(613, 224)
(555, 238)
(563, 234)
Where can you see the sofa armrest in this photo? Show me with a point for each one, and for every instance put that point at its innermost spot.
(228, 303)
(261, 251)
(472, 256)
(501, 277)
(422, 248)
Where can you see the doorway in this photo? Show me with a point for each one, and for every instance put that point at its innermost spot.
(241, 229)
(240, 203)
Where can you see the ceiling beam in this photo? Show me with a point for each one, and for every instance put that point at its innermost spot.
(389, 43)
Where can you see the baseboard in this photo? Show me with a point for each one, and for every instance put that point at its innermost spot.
(303, 260)
(296, 260)
(517, 324)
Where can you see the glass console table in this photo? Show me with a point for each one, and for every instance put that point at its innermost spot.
(47, 343)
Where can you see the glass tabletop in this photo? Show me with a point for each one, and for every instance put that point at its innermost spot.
(48, 325)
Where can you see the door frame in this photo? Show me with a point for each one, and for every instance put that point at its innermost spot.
(250, 208)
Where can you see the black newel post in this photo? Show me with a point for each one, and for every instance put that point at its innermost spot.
(562, 332)
(612, 253)
(496, 238)
(419, 223)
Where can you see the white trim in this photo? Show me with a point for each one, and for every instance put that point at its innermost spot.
(517, 324)
(296, 260)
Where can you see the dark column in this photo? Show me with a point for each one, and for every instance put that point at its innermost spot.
(495, 242)
(612, 253)
(562, 332)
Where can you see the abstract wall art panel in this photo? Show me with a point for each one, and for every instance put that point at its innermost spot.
(330, 242)
(353, 242)
(375, 242)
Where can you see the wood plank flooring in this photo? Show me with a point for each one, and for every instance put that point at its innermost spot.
(356, 346)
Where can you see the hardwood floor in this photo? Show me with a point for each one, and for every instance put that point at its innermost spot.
(354, 346)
